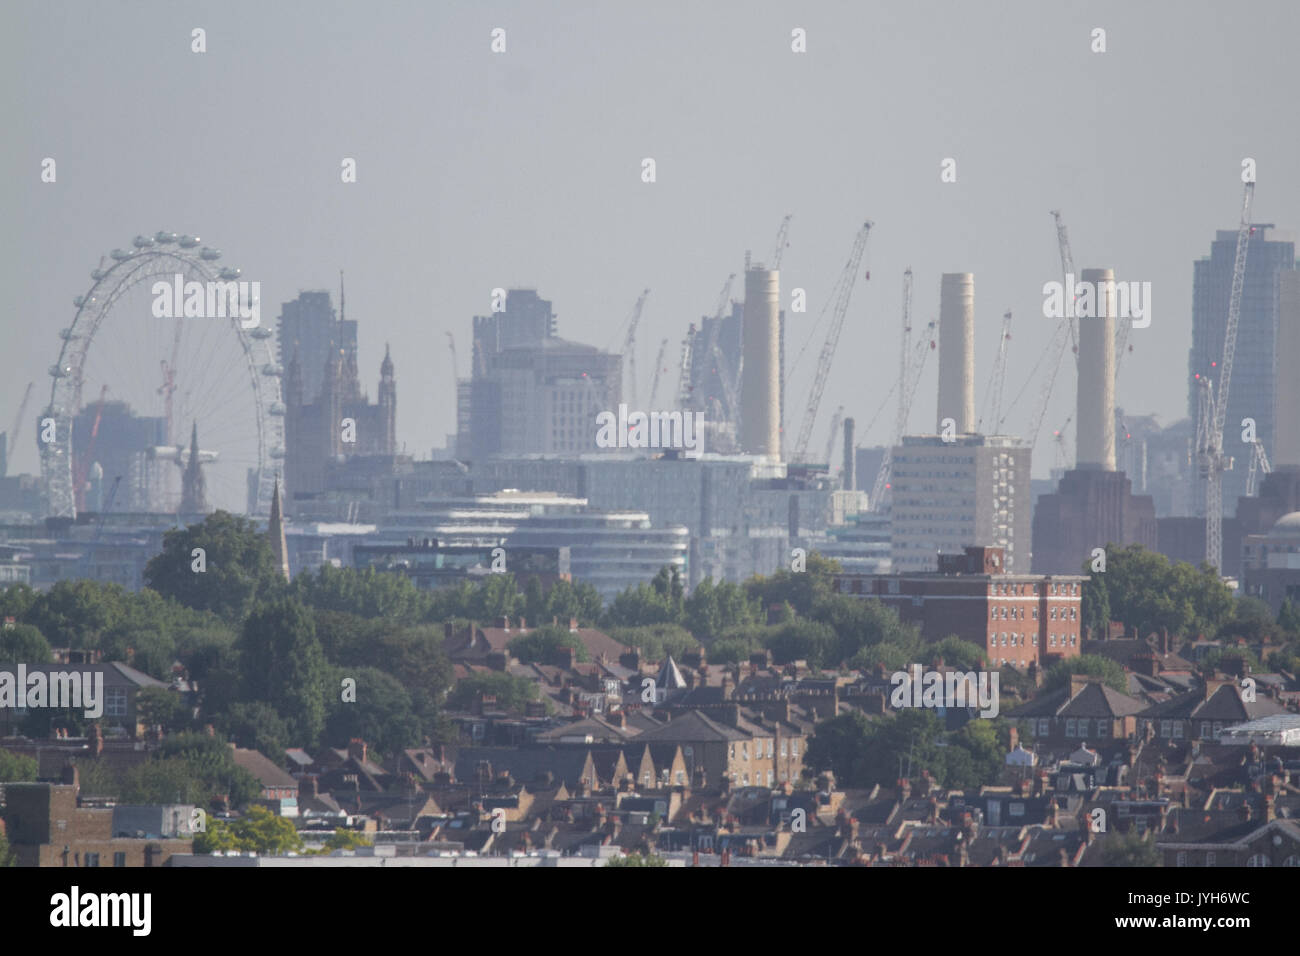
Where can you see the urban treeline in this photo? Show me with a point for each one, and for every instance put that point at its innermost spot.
(270, 658)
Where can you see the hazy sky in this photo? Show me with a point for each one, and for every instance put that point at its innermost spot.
(478, 170)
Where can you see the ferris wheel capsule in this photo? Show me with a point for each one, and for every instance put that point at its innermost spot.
(120, 254)
(164, 238)
(142, 242)
(206, 253)
(188, 242)
(229, 272)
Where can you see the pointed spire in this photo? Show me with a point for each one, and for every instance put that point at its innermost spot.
(275, 530)
(193, 487)
(386, 366)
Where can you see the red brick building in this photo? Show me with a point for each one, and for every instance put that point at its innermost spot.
(1015, 618)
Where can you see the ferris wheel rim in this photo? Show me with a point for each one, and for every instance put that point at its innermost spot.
(109, 284)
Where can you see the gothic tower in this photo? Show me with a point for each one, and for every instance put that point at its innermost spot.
(388, 401)
(193, 491)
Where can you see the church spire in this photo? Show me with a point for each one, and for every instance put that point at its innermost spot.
(275, 530)
(193, 490)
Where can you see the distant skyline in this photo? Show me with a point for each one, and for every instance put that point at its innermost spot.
(478, 170)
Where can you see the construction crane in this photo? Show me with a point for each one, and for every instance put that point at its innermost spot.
(99, 527)
(998, 382)
(782, 240)
(711, 343)
(629, 345)
(659, 368)
(455, 382)
(1258, 463)
(684, 387)
(1067, 269)
(843, 291)
(911, 361)
(1064, 335)
(1062, 449)
(837, 420)
(1213, 462)
(18, 419)
(88, 456)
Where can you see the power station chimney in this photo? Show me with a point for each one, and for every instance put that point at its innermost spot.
(1286, 401)
(760, 385)
(1096, 401)
(850, 457)
(957, 351)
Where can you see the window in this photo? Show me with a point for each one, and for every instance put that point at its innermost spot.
(771, 778)
(794, 748)
(119, 860)
(1034, 612)
(745, 779)
(115, 702)
(769, 748)
(1259, 859)
(1035, 640)
(91, 859)
(785, 746)
(744, 750)
(1178, 730)
(1044, 727)
(1053, 640)
(1182, 858)
(680, 778)
(1166, 728)
(1069, 727)
(1210, 858)
(732, 752)
(1052, 614)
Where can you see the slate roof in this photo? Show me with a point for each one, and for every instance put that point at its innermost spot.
(267, 773)
(1094, 699)
(692, 727)
(1225, 704)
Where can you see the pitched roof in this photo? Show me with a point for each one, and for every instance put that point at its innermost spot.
(692, 727)
(261, 767)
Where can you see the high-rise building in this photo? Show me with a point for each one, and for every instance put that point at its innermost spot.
(1255, 368)
(532, 392)
(335, 421)
(948, 495)
(309, 330)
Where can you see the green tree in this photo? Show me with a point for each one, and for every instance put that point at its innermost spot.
(16, 600)
(342, 839)
(77, 612)
(799, 589)
(1251, 618)
(955, 652)
(512, 693)
(368, 593)
(382, 713)
(161, 706)
(239, 567)
(637, 859)
(281, 663)
(258, 830)
(566, 601)
(810, 641)
(7, 857)
(16, 768)
(713, 608)
(1130, 849)
(656, 641)
(1096, 611)
(1288, 617)
(24, 644)
(1093, 665)
(254, 725)
(544, 644)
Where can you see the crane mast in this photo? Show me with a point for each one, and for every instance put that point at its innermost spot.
(1213, 461)
(844, 290)
(629, 345)
(659, 367)
(782, 237)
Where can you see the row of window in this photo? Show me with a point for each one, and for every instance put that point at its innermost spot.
(114, 703)
(1052, 642)
(1081, 727)
(1257, 859)
(1017, 640)
(758, 749)
(92, 859)
(742, 779)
